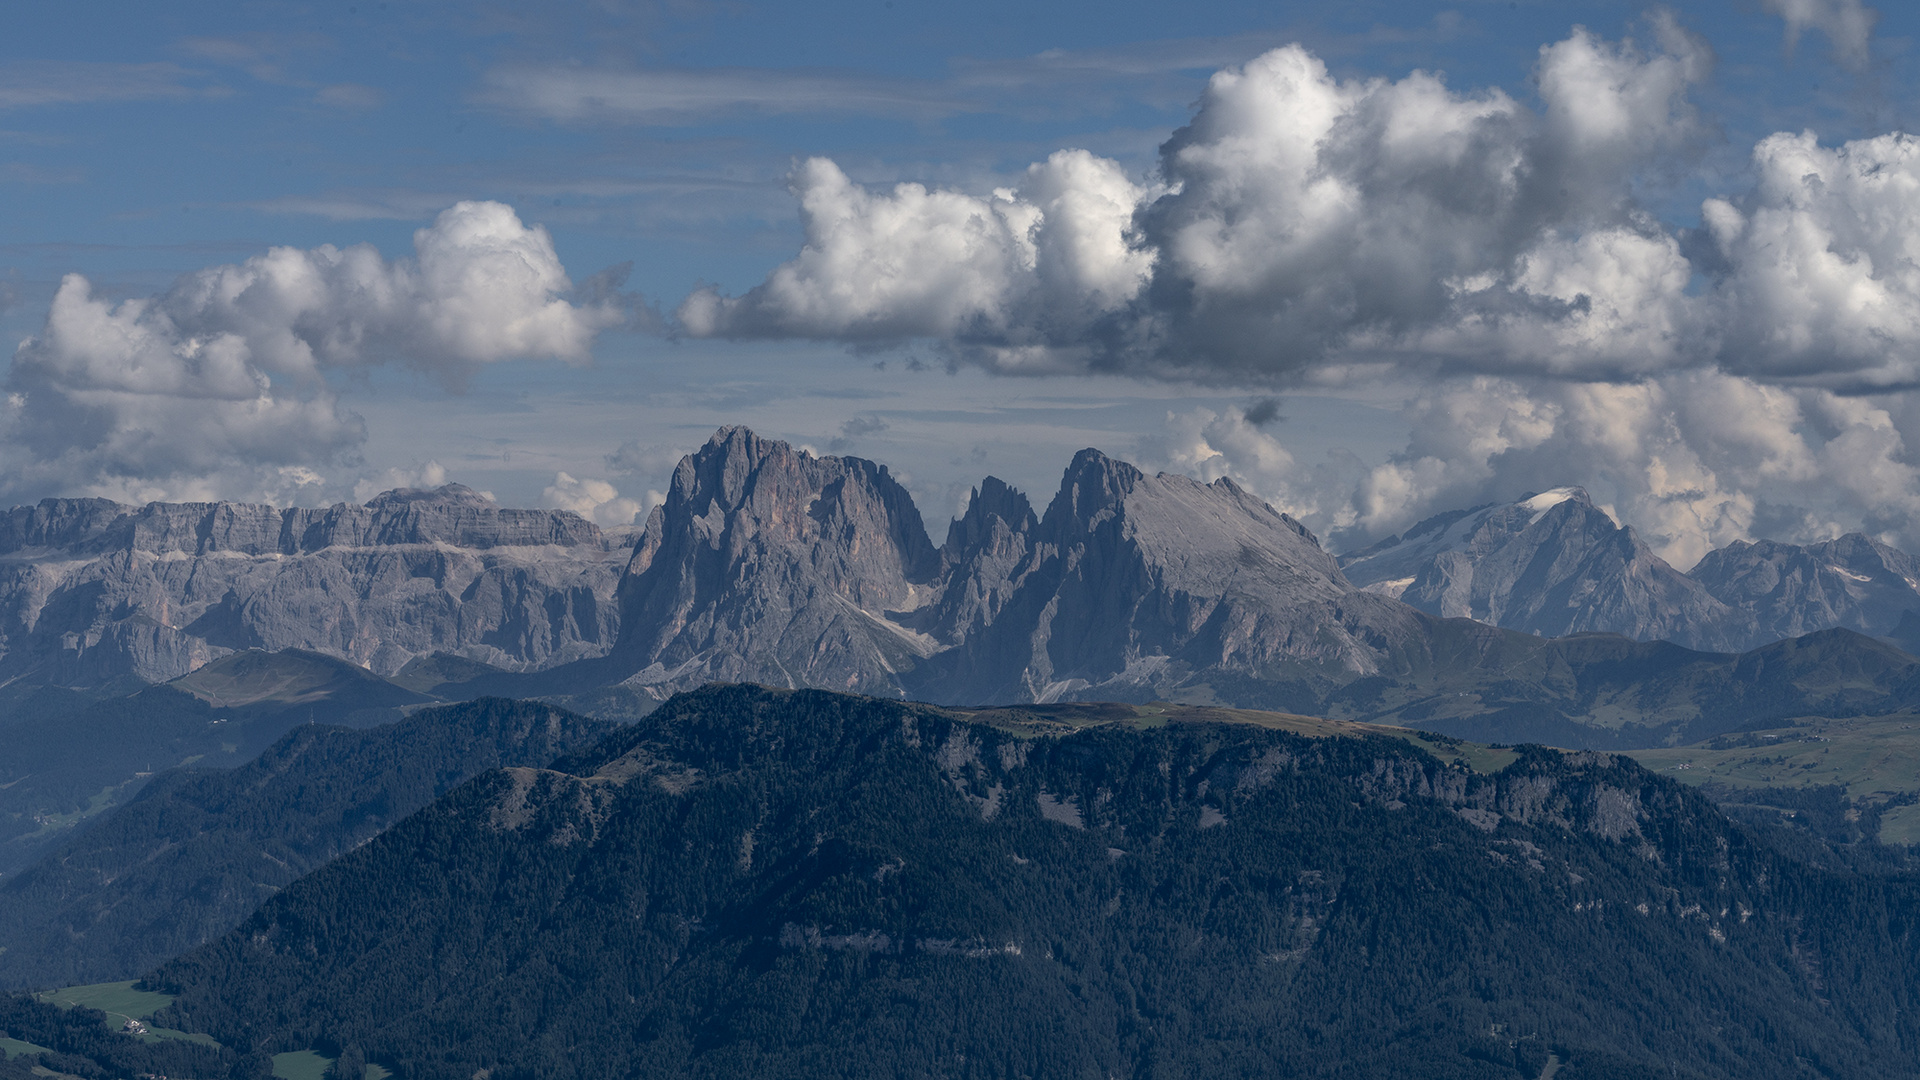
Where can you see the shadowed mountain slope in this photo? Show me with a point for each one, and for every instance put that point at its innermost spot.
(66, 766)
(803, 884)
(197, 850)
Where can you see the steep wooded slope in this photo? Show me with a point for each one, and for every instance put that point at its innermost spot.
(756, 882)
(198, 850)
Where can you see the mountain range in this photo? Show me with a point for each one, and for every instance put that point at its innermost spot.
(1555, 563)
(769, 564)
(92, 591)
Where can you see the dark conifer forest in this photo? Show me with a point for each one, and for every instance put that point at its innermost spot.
(776, 883)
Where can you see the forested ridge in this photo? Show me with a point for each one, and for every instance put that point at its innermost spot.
(199, 849)
(761, 883)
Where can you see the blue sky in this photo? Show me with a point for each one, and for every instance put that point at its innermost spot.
(140, 143)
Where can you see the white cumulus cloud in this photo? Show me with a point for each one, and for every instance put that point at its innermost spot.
(1497, 256)
(1017, 268)
(220, 383)
(595, 500)
(1300, 222)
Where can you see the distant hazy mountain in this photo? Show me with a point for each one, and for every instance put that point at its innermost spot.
(92, 590)
(770, 883)
(1790, 589)
(198, 849)
(66, 758)
(1550, 564)
(771, 565)
(1554, 564)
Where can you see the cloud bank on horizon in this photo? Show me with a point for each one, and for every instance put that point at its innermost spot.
(1746, 375)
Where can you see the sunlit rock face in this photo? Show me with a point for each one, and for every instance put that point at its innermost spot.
(92, 590)
(1551, 564)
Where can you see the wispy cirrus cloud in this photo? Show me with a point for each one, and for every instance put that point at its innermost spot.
(1157, 73)
(372, 205)
(1848, 25)
(38, 83)
(681, 96)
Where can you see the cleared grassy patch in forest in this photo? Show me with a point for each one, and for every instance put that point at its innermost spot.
(121, 1002)
(13, 1048)
(310, 1065)
(116, 999)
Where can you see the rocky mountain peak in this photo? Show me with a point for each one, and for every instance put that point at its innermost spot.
(995, 508)
(1853, 581)
(1131, 582)
(769, 564)
(1092, 491)
(1550, 563)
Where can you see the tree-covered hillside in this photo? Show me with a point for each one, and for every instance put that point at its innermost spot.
(775, 883)
(198, 850)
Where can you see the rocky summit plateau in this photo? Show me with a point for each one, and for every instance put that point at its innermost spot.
(93, 590)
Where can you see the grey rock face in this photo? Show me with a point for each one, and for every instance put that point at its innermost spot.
(1792, 589)
(91, 590)
(1552, 564)
(767, 564)
(1131, 585)
(980, 562)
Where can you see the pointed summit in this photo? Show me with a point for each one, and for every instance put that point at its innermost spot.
(768, 564)
(1130, 584)
(1552, 564)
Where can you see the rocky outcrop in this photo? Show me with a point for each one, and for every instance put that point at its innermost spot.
(1134, 586)
(1551, 564)
(92, 590)
(1792, 589)
(767, 564)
